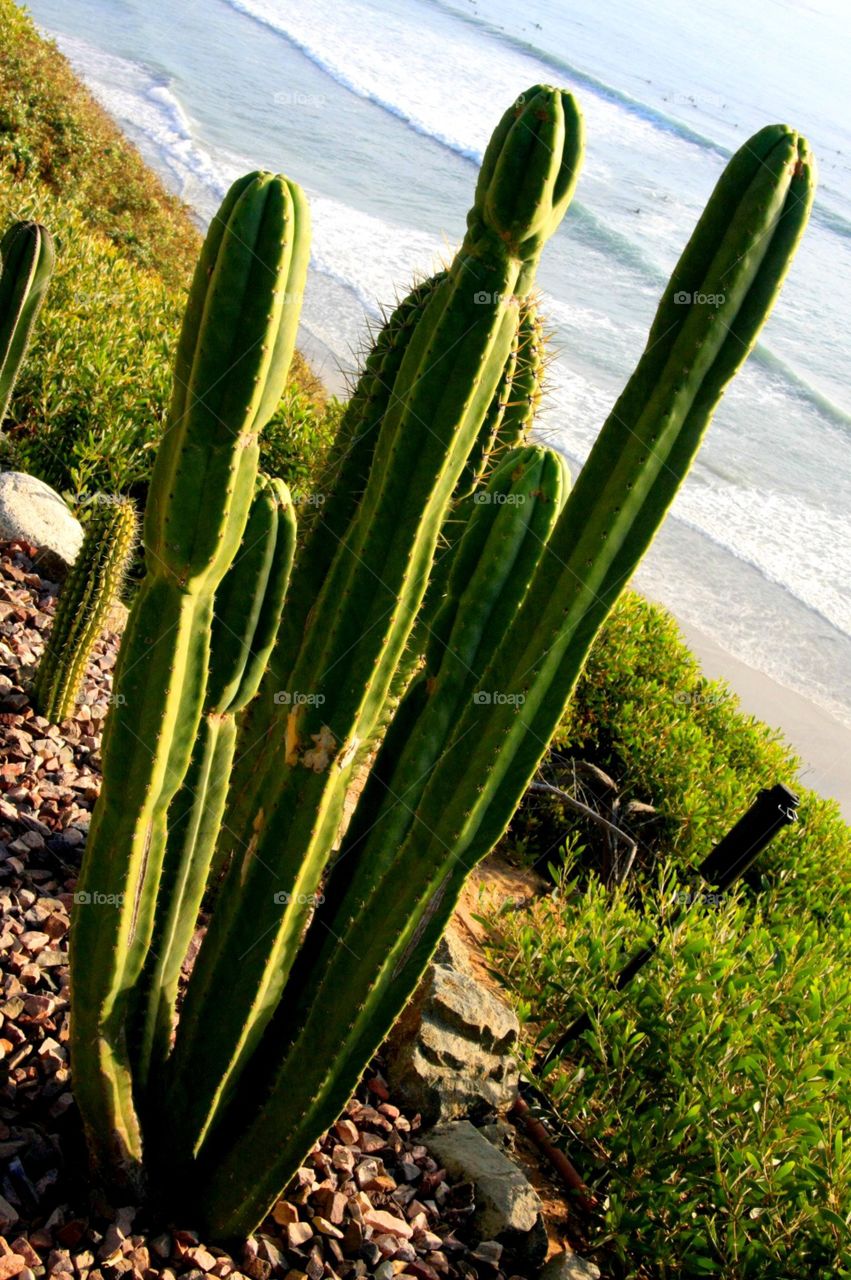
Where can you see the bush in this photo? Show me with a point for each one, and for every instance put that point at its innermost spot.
(645, 713)
(712, 1093)
(90, 404)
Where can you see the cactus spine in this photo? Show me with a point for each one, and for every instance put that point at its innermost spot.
(232, 361)
(92, 588)
(300, 998)
(26, 265)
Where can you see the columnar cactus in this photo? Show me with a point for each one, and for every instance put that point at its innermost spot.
(319, 933)
(283, 825)
(246, 615)
(26, 265)
(90, 591)
(232, 361)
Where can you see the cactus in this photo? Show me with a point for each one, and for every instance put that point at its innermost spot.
(232, 361)
(284, 824)
(247, 612)
(26, 265)
(319, 933)
(92, 588)
(512, 411)
(369, 941)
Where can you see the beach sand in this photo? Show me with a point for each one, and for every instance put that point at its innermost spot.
(822, 742)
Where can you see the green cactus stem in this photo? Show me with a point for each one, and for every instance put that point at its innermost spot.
(247, 613)
(90, 592)
(232, 362)
(372, 941)
(26, 265)
(284, 829)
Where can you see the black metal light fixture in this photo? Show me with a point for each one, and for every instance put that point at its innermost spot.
(773, 809)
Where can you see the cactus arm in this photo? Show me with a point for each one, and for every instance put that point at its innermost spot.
(362, 619)
(244, 296)
(340, 489)
(493, 568)
(91, 589)
(607, 523)
(26, 264)
(247, 610)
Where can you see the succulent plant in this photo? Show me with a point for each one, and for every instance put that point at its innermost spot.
(89, 593)
(324, 921)
(26, 265)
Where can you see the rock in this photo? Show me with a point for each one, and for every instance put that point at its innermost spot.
(569, 1266)
(508, 1208)
(30, 511)
(451, 1052)
(8, 1216)
(11, 1264)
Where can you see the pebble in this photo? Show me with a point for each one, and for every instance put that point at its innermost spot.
(368, 1201)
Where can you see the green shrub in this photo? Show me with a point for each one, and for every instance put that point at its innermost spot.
(90, 404)
(713, 1094)
(713, 1091)
(644, 712)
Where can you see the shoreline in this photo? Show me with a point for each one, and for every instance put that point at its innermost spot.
(821, 741)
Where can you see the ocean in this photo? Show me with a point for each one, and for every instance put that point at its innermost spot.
(382, 111)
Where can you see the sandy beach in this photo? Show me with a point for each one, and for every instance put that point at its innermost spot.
(822, 742)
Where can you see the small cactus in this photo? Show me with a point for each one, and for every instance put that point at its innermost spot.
(26, 265)
(91, 589)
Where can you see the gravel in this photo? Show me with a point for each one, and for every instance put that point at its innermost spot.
(370, 1201)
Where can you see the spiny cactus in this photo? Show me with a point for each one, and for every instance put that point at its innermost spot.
(247, 612)
(232, 361)
(319, 933)
(90, 591)
(26, 265)
(512, 411)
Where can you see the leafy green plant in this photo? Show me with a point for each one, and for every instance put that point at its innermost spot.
(712, 1095)
(303, 968)
(90, 404)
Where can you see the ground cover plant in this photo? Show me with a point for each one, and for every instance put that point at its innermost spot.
(709, 1102)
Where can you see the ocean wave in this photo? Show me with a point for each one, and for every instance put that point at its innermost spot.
(791, 542)
(800, 389)
(150, 110)
(277, 23)
(660, 119)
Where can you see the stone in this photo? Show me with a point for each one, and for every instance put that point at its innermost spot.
(8, 1216)
(508, 1209)
(11, 1264)
(30, 511)
(451, 1053)
(387, 1224)
(569, 1266)
(298, 1234)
